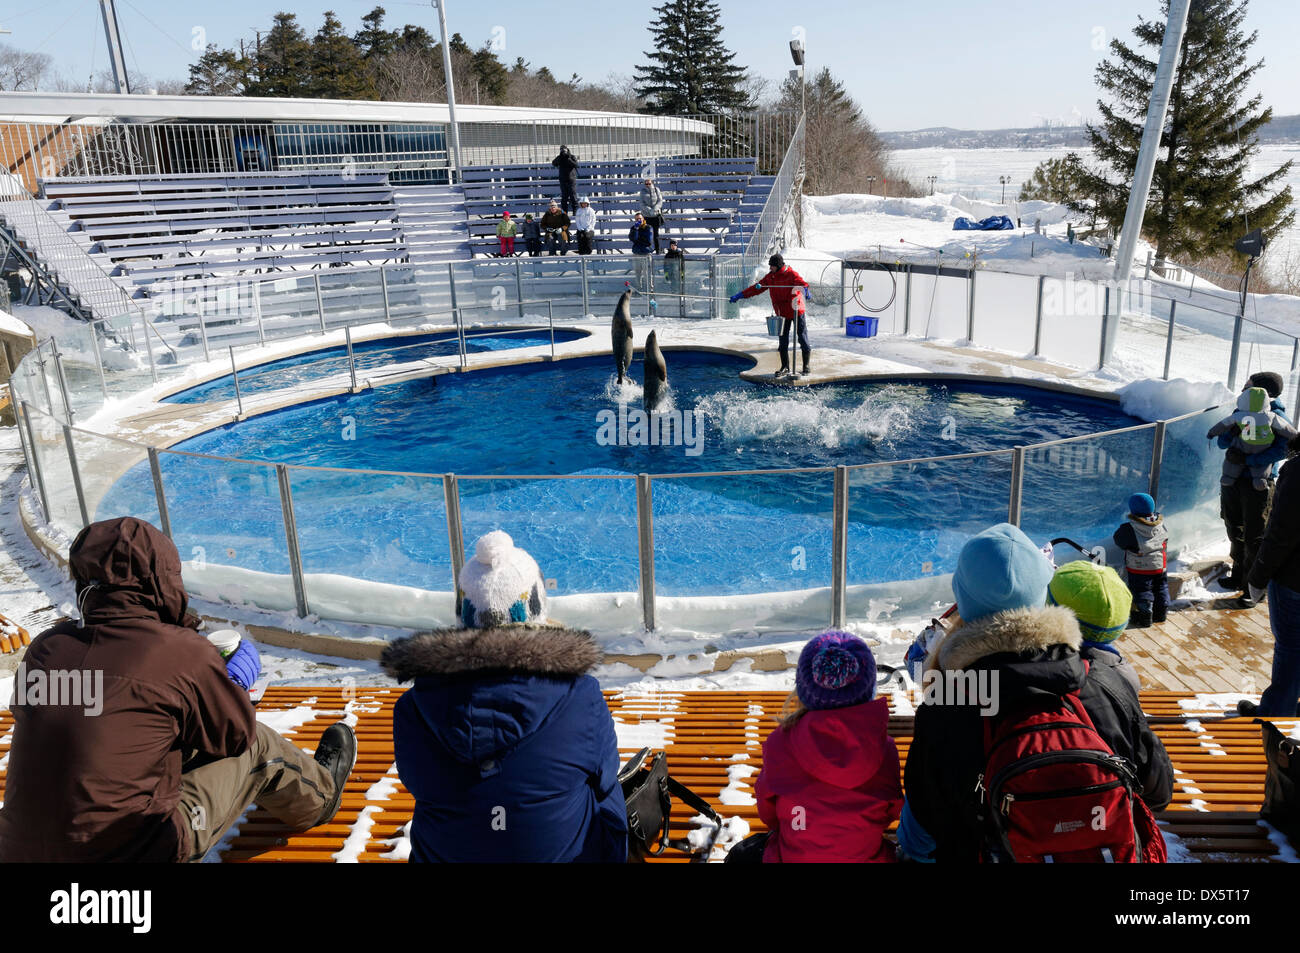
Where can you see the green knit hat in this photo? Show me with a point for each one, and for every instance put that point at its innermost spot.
(1097, 596)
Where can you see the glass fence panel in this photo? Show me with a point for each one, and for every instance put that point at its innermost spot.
(582, 532)
(1189, 481)
(694, 289)
(405, 302)
(1202, 340)
(1263, 349)
(1005, 308)
(1079, 489)
(56, 472)
(228, 524)
(1144, 336)
(351, 296)
(392, 565)
(116, 478)
(289, 306)
(81, 369)
(744, 535)
(122, 349)
(938, 307)
(1072, 321)
(908, 521)
(734, 275)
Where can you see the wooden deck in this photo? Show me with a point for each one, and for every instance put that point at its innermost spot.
(1210, 647)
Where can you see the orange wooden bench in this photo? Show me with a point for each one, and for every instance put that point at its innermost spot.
(714, 743)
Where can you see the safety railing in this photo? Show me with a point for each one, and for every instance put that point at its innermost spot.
(769, 227)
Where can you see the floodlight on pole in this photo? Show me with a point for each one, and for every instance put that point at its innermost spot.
(441, 7)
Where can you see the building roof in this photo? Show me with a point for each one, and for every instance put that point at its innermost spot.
(83, 107)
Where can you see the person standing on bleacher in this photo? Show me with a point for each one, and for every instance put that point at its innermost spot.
(567, 165)
(506, 231)
(585, 224)
(652, 207)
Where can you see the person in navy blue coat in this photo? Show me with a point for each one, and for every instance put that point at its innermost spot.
(505, 740)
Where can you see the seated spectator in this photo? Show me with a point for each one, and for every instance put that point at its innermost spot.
(505, 741)
(585, 223)
(555, 225)
(1101, 602)
(830, 781)
(1028, 656)
(674, 267)
(167, 755)
(532, 235)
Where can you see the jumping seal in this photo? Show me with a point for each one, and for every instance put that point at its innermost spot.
(621, 335)
(656, 374)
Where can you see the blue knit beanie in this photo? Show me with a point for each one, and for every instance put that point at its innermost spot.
(999, 569)
(1141, 504)
(835, 670)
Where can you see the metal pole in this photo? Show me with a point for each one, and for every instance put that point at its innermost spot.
(970, 308)
(1235, 356)
(550, 318)
(646, 548)
(76, 476)
(36, 461)
(907, 303)
(163, 516)
(441, 6)
(148, 346)
(99, 361)
(713, 287)
(1169, 340)
(842, 273)
(203, 331)
(352, 364)
(455, 533)
(519, 286)
(45, 380)
(1157, 458)
(1105, 330)
(239, 398)
(586, 307)
(840, 548)
(1038, 318)
(63, 380)
(383, 286)
(320, 304)
(291, 537)
(18, 425)
(1017, 485)
(459, 315)
(257, 312)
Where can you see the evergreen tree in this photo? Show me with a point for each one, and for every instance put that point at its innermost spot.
(337, 69)
(283, 60)
(690, 70)
(372, 40)
(218, 73)
(490, 77)
(1055, 180)
(1202, 197)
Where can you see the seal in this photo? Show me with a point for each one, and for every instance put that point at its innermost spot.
(621, 335)
(656, 374)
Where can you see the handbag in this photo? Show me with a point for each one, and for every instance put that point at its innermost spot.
(1282, 783)
(648, 791)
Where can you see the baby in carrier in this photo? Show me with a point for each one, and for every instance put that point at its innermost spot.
(1255, 427)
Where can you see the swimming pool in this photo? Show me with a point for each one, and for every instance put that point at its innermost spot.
(713, 535)
(367, 355)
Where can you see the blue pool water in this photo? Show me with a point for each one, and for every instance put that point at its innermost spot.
(713, 535)
(366, 355)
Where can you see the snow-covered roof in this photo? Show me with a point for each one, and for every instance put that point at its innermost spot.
(44, 107)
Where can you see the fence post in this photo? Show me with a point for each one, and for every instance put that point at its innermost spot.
(203, 331)
(291, 537)
(1169, 339)
(713, 286)
(907, 303)
(586, 307)
(1235, 356)
(519, 285)
(320, 302)
(45, 380)
(1017, 485)
(148, 347)
(459, 315)
(842, 271)
(36, 461)
(646, 548)
(1038, 318)
(840, 548)
(1157, 458)
(352, 364)
(163, 516)
(239, 398)
(1147, 276)
(257, 311)
(550, 319)
(22, 432)
(451, 286)
(1105, 330)
(99, 360)
(383, 286)
(76, 476)
(970, 308)
(455, 534)
(63, 380)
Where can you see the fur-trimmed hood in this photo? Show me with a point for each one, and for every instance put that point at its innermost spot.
(1018, 631)
(549, 650)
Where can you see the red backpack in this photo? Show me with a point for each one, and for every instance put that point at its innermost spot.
(1053, 791)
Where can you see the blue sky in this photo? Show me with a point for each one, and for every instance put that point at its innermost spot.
(909, 65)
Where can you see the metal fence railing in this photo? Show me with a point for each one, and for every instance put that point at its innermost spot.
(771, 223)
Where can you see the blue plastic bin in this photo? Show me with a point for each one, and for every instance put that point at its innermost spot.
(861, 326)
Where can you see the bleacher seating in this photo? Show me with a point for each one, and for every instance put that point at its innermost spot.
(709, 204)
(146, 228)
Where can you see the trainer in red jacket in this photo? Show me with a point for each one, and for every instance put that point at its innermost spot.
(788, 291)
(830, 781)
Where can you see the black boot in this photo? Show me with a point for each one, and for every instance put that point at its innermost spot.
(805, 362)
(1139, 620)
(1159, 614)
(337, 753)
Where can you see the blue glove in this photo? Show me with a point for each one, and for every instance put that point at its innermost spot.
(244, 665)
(914, 841)
(737, 296)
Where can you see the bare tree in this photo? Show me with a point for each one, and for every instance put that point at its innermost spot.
(20, 70)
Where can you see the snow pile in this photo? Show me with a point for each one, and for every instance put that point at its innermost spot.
(1153, 400)
(11, 325)
(6, 690)
(735, 793)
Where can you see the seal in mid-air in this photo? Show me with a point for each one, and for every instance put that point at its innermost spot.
(621, 335)
(656, 373)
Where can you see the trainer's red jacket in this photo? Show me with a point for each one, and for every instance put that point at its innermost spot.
(782, 285)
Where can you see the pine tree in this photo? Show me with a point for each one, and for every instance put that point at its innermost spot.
(337, 69)
(1202, 196)
(283, 60)
(1055, 180)
(690, 70)
(372, 40)
(218, 73)
(490, 77)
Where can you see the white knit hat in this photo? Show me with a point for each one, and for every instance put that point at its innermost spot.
(501, 585)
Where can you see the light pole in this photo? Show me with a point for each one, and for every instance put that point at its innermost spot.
(932, 179)
(441, 7)
(1005, 180)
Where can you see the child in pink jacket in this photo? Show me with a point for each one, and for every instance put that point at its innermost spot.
(830, 781)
